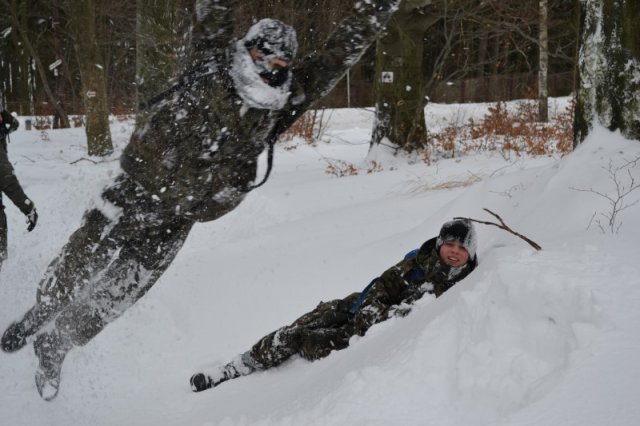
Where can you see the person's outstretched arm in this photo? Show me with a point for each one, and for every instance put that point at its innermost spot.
(389, 290)
(319, 72)
(212, 28)
(11, 187)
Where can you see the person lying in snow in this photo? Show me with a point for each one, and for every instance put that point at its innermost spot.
(193, 160)
(434, 268)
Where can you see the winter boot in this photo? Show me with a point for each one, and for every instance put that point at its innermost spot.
(50, 348)
(242, 365)
(15, 336)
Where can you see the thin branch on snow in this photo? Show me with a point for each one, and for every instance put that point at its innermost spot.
(504, 226)
(86, 159)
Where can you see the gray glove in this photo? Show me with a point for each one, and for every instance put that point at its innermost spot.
(32, 219)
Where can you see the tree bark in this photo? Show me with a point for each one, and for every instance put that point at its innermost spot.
(399, 81)
(92, 74)
(543, 64)
(609, 69)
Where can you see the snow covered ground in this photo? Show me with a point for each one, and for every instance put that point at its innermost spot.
(530, 338)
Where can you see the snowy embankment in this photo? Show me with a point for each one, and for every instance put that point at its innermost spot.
(530, 338)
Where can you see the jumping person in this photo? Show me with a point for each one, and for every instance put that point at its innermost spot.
(193, 160)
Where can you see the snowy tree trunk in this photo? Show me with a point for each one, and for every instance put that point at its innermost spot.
(92, 76)
(399, 85)
(608, 90)
(543, 61)
(25, 107)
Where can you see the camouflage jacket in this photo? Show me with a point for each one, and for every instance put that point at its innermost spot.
(197, 152)
(331, 324)
(9, 184)
(407, 281)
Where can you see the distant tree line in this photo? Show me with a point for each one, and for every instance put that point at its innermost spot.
(89, 58)
(40, 71)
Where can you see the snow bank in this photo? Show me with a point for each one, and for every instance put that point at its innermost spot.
(530, 338)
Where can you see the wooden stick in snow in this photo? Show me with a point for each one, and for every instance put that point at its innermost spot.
(504, 226)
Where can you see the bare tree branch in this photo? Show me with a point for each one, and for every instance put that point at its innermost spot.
(504, 226)
(84, 159)
(618, 201)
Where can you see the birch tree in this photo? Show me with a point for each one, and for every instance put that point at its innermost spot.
(609, 68)
(543, 64)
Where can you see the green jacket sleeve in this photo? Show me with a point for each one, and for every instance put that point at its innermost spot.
(389, 290)
(11, 187)
(320, 71)
(212, 28)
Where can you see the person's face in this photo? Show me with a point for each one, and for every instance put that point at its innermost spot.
(453, 253)
(274, 63)
(274, 70)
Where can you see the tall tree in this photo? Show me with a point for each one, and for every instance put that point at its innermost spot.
(18, 14)
(609, 68)
(81, 15)
(543, 63)
(400, 75)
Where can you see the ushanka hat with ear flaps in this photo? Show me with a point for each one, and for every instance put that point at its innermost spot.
(462, 231)
(272, 38)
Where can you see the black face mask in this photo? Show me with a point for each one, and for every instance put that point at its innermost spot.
(277, 77)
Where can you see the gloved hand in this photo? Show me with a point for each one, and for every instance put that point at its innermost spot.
(32, 219)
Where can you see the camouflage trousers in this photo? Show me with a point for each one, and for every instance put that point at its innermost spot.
(110, 262)
(312, 336)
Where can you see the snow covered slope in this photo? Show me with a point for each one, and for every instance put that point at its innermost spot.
(530, 338)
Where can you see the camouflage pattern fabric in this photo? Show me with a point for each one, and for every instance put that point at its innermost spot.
(193, 159)
(330, 325)
(313, 335)
(9, 184)
(198, 153)
(109, 262)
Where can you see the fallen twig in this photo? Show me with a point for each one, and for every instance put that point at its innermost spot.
(504, 226)
(85, 159)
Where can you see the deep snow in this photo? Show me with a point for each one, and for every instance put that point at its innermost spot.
(530, 338)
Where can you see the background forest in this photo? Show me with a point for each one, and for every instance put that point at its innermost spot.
(468, 51)
(73, 63)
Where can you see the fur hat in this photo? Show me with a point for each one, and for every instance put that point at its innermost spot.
(272, 38)
(462, 231)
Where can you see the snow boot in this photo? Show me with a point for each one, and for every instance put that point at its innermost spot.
(51, 349)
(15, 336)
(241, 365)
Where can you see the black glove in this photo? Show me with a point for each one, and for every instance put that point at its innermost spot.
(32, 219)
